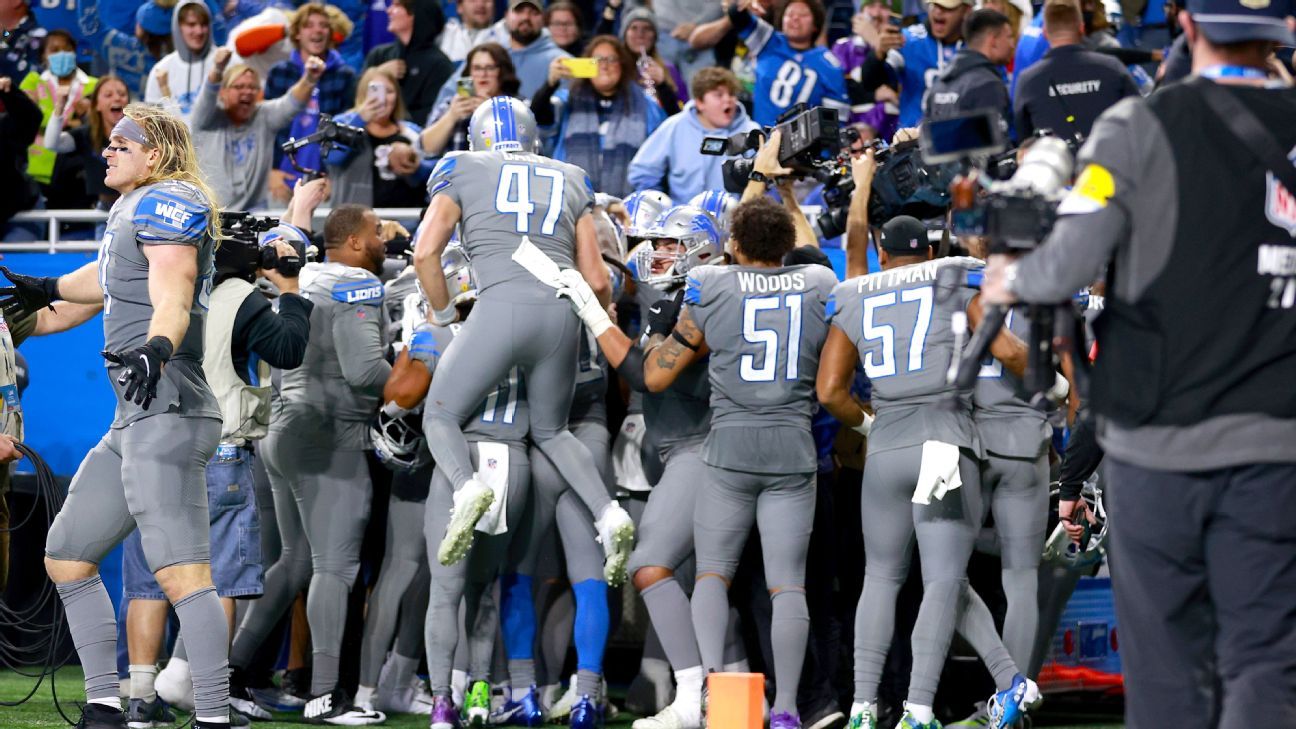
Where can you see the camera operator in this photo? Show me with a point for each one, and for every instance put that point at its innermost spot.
(235, 137)
(767, 173)
(1193, 384)
(972, 79)
(1068, 88)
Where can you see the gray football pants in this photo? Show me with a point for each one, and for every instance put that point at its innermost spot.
(782, 506)
(151, 475)
(402, 591)
(1016, 491)
(666, 540)
(541, 337)
(946, 531)
(468, 579)
(322, 498)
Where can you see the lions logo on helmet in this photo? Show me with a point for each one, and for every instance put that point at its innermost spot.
(398, 441)
(503, 124)
(683, 238)
(644, 208)
(720, 205)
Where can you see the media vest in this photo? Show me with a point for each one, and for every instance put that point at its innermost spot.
(245, 409)
(1214, 333)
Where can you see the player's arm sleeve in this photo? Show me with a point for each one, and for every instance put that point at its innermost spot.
(279, 339)
(357, 334)
(171, 215)
(442, 181)
(1097, 214)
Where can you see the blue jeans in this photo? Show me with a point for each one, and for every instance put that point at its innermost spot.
(235, 533)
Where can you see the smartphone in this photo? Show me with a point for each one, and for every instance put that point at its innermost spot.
(581, 67)
(378, 92)
(465, 86)
(895, 21)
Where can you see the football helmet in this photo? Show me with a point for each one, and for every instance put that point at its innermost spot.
(398, 441)
(720, 205)
(503, 123)
(698, 239)
(644, 207)
(458, 275)
(1060, 550)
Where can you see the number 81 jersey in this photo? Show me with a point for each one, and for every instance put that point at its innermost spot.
(506, 195)
(786, 76)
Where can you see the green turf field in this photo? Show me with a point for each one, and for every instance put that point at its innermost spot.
(40, 711)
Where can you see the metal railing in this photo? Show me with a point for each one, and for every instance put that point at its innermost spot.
(53, 220)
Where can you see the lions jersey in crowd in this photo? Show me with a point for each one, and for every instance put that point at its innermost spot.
(786, 77)
(506, 195)
(900, 321)
(503, 417)
(165, 213)
(919, 62)
(331, 398)
(764, 327)
(1006, 422)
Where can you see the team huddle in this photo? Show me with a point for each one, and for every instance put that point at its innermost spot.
(480, 375)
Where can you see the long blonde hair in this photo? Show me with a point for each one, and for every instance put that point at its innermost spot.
(169, 135)
(399, 111)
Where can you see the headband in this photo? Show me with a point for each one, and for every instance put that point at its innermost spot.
(130, 129)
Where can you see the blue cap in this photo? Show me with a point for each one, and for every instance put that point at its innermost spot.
(154, 19)
(1235, 21)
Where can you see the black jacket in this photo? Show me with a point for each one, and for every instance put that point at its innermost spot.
(1067, 90)
(19, 122)
(426, 67)
(969, 83)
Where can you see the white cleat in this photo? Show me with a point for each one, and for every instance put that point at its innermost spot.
(470, 503)
(671, 718)
(616, 531)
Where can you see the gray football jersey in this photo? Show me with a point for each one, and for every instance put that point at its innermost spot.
(346, 345)
(164, 213)
(503, 416)
(900, 320)
(681, 414)
(764, 327)
(506, 195)
(1005, 420)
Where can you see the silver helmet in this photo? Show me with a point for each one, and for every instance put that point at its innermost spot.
(398, 441)
(458, 274)
(503, 123)
(644, 208)
(1059, 550)
(720, 205)
(697, 238)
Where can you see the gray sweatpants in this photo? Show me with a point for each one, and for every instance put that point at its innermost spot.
(403, 587)
(322, 498)
(666, 540)
(467, 580)
(946, 531)
(729, 503)
(1016, 491)
(541, 338)
(151, 475)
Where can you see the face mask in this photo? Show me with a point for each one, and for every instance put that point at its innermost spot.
(62, 63)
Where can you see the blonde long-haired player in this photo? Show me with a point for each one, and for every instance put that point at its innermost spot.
(153, 276)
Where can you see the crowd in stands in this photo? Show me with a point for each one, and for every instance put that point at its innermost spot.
(654, 79)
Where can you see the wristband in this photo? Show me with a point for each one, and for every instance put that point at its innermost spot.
(864, 427)
(631, 369)
(445, 317)
(759, 177)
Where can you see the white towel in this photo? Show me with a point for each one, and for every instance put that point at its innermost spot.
(627, 463)
(939, 473)
(493, 472)
(535, 261)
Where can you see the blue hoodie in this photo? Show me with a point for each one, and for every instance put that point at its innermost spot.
(670, 159)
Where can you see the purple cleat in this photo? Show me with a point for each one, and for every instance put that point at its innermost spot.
(444, 714)
(785, 720)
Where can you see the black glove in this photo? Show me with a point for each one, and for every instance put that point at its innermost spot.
(142, 368)
(28, 294)
(663, 315)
